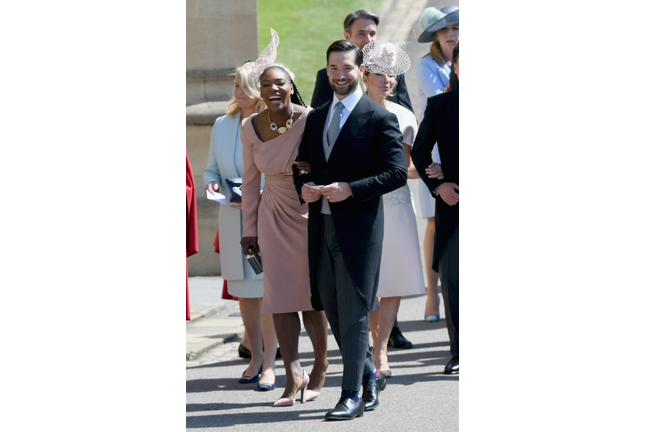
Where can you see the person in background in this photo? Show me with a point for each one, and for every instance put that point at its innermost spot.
(441, 27)
(192, 242)
(440, 127)
(225, 160)
(401, 273)
(360, 28)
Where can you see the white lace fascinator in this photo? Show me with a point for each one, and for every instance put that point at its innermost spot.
(267, 56)
(385, 58)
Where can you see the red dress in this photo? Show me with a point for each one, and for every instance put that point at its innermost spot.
(191, 224)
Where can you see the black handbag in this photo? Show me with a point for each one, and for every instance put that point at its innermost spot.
(255, 260)
(235, 188)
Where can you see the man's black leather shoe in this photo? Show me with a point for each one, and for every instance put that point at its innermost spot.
(452, 367)
(371, 389)
(397, 340)
(346, 409)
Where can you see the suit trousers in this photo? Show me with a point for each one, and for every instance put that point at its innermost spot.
(449, 275)
(346, 311)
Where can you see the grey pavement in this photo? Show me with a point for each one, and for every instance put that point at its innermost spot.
(419, 397)
(213, 321)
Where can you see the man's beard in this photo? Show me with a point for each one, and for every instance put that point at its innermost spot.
(351, 86)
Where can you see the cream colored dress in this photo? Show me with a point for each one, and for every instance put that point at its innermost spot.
(401, 273)
(277, 219)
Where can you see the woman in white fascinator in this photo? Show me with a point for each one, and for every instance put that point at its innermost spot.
(401, 272)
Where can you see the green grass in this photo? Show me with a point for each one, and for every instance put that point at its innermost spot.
(306, 29)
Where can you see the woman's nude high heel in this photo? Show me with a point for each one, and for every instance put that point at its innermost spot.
(282, 402)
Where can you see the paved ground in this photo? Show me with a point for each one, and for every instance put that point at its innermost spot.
(418, 397)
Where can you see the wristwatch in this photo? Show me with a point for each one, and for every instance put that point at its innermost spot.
(303, 172)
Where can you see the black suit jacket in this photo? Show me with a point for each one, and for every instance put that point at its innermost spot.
(324, 93)
(369, 155)
(440, 125)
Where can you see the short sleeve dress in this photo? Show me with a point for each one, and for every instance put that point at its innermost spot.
(401, 271)
(276, 216)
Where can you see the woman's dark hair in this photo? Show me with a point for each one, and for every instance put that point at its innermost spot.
(454, 81)
(295, 97)
(345, 46)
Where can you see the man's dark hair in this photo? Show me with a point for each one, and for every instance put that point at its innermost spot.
(362, 14)
(345, 46)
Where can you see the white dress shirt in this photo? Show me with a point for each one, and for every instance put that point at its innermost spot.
(349, 103)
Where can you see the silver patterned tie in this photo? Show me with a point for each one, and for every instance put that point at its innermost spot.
(334, 126)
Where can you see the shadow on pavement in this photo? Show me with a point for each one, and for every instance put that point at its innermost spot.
(222, 406)
(279, 415)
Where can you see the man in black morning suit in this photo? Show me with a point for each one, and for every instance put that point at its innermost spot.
(361, 28)
(354, 149)
(441, 125)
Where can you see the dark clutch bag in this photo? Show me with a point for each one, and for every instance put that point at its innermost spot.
(235, 188)
(255, 260)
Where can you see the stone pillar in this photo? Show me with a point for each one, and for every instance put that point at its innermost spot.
(220, 35)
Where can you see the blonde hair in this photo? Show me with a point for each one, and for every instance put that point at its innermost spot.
(365, 89)
(250, 86)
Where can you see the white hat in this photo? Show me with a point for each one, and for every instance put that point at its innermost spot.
(385, 58)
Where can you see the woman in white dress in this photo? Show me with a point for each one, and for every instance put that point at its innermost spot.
(225, 160)
(401, 273)
(441, 27)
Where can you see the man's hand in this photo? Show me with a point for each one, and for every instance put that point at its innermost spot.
(434, 171)
(337, 192)
(449, 193)
(250, 244)
(308, 194)
(237, 205)
(212, 187)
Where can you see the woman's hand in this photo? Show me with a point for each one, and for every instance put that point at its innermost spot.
(212, 187)
(250, 244)
(303, 166)
(434, 171)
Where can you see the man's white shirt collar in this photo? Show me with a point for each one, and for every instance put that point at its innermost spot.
(350, 101)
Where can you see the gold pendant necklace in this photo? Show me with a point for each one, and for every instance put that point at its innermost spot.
(282, 129)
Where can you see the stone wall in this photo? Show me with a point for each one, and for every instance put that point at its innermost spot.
(216, 44)
(220, 35)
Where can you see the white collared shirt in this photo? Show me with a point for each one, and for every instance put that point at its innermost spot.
(349, 103)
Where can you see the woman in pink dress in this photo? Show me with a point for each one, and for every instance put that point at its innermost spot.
(276, 225)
